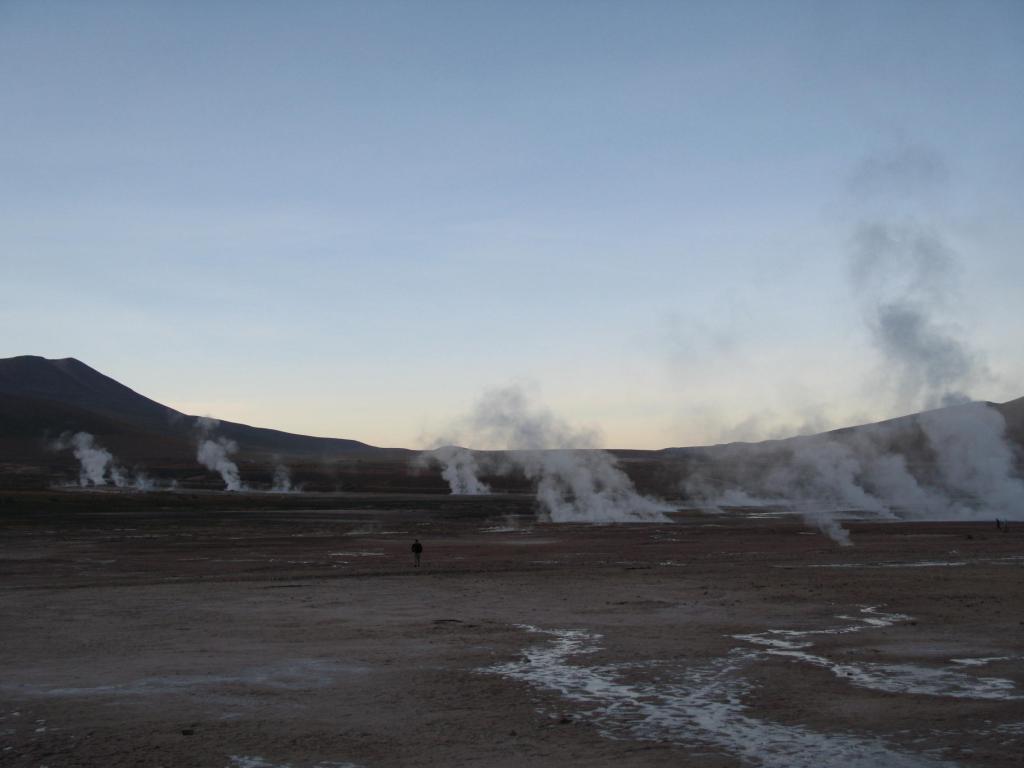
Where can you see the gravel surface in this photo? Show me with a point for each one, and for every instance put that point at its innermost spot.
(151, 634)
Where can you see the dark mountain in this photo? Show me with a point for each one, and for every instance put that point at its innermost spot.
(73, 383)
(41, 399)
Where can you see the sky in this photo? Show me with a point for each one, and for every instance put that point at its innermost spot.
(354, 218)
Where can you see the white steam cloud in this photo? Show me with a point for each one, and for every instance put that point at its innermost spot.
(975, 462)
(97, 465)
(902, 273)
(143, 482)
(214, 453)
(459, 468)
(282, 480)
(950, 463)
(576, 482)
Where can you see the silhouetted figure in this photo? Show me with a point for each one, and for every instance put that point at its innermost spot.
(998, 524)
(417, 550)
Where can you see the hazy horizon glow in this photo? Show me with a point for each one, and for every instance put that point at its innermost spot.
(352, 219)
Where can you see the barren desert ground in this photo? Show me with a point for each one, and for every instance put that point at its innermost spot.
(208, 630)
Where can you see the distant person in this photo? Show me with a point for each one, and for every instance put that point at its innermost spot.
(417, 550)
(998, 524)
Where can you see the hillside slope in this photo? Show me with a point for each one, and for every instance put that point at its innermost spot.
(41, 399)
(902, 431)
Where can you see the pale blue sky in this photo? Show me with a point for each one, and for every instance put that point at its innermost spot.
(350, 219)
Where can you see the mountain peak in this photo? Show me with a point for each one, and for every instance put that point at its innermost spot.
(71, 381)
(32, 384)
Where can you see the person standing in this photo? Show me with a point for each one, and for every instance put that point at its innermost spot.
(417, 550)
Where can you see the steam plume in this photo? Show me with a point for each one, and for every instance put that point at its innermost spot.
(97, 465)
(975, 461)
(214, 454)
(282, 480)
(576, 482)
(950, 463)
(902, 275)
(459, 468)
(94, 461)
(144, 482)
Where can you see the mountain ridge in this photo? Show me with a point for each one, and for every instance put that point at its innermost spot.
(1012, 412)
(42, 398)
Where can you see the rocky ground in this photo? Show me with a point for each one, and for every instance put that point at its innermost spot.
(171, 630)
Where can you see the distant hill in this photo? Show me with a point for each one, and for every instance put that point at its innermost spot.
(1013, 412)
(758, 465)
(902, 432)
(41, 399)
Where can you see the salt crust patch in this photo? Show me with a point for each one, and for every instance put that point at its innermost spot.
(1008, 560)
(704, 704)
(980, 662)
(292, 675)
(890, 678)
(245, 761)
(917, 564)
(356, 554)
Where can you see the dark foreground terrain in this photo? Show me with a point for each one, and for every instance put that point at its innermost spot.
(241, 632)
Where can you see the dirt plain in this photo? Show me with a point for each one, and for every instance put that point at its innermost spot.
(248, 631)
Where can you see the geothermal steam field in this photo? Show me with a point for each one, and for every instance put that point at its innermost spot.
(685, 339)
(179, 591)
(209, 628)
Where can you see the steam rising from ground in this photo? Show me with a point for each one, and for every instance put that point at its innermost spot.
(948, 464)
(953, 463)
(903, 274)
(459, 468)
(214, 453)
(576, 482)
(96, 464)
(282, 480)
(904, 270)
